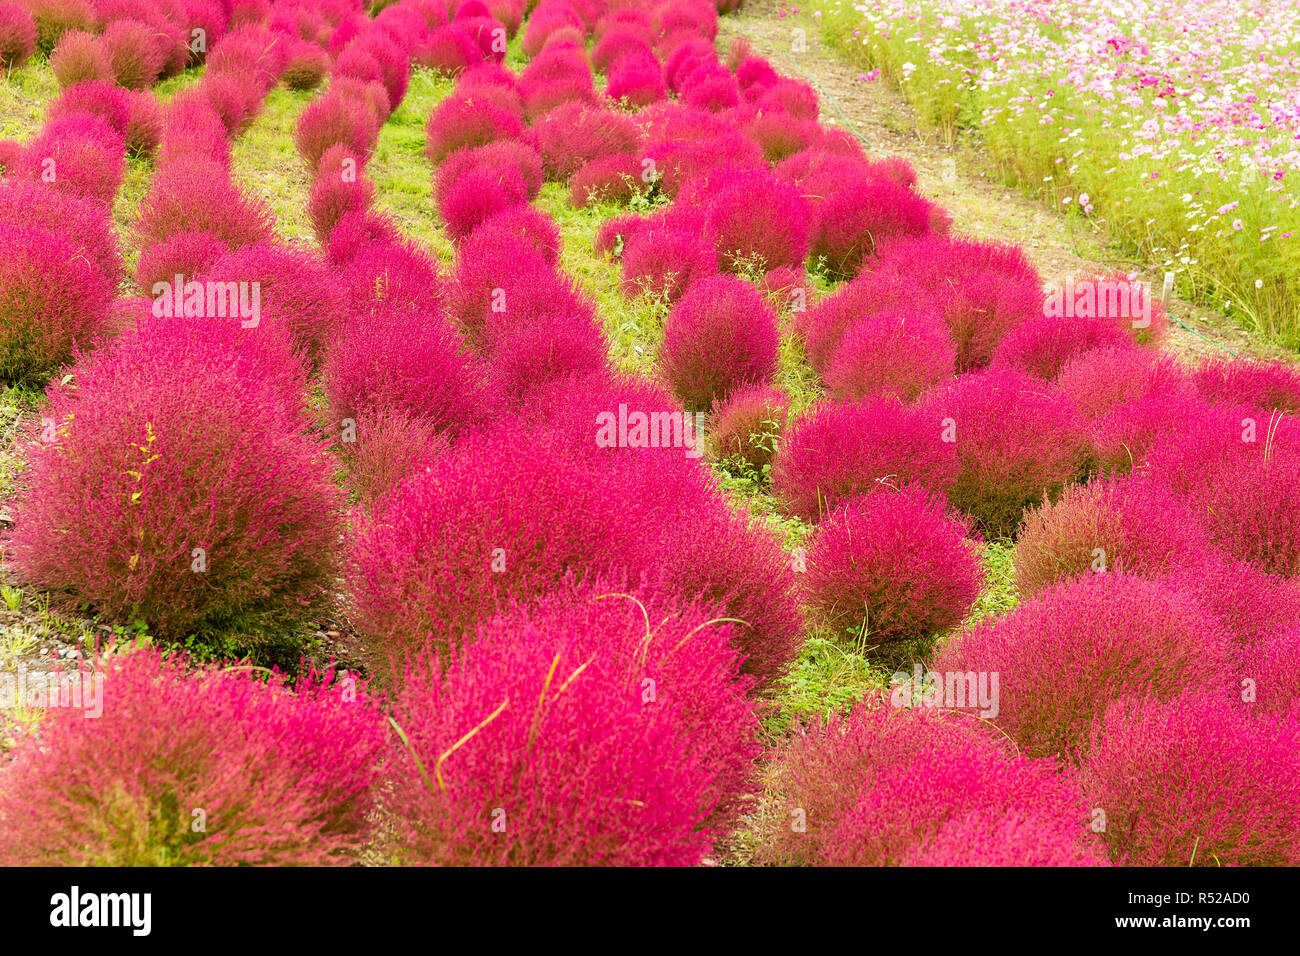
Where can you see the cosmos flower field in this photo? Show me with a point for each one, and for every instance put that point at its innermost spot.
(572, 449)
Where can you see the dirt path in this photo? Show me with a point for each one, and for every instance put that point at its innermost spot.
(961, 179)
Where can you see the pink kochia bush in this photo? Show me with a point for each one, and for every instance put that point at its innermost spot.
(286, 774)
(596, 734)
(838, 450)
(878, 786)
(341, 186)
(17, 35)
(1042, 345)
(722, 334)
(518, 499)
(862, 213)
(83, 151)
(333, 120)
(1015, 442)
(759, 222)
(748, 424)
(1197, 781)
(1270, 385)
(896, 352)
(52, 300)
(1120, 524)
(1064, 655)
(78, 57)
(895, 564)
(467, 119)
(181, 486)
(199, 196)
(665, 262)
(406, 361)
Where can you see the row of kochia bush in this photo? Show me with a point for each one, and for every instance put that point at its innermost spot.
(576, 642)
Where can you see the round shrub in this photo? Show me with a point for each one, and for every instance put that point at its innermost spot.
(748, 424)
(665, 263)
(821, 325)
(144, 125)
(1103, 379)
(17, 36)
(392, 274)
(388, 446)
(837, 450)
(612, 180)
(1124, 436)
(1275, 664)
(118, 790)
(333, 120)
(1194, 781)
(659, 781)
(340, 187)
(478, 194)
(1066, 654)
(235, 98)
(80, 153)
(575, 133)
(450, 50)
(1041, 346)
(1016, 442)
(103, 99)
(185, 254)
(719, 336)
(134, 57)
(1270, 385)
(758, 223)
(192, 129)
(1119, 525)
(307, 67)
(182, 487)
(518, 226)
(52, 300)
(614, 234)
(636, 81)
(499, 153)
(399, 360)
(894, 564)
(897, 352)
(466, 120)
(199, 197)
(82, 221)
(985, 289)
(875, 786)
(296, 290)
(859, 215)
(422, 569)
(1251, 603)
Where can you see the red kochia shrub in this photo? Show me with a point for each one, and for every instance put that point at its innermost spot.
(389, 445)
(1196, 781)
(747, 425)
(191, 127)
(235, 97)
(987, 838)
(424, 567)
(759, 222)
(52, 300)
(340, 187)
(103, 99)
(548, 17)
(1251, 603)
(1270, 385)
(894, 563)
(895, 352)
(1100, 380)
(296, 289)
(1275, 665)
(612, 179)
(410, 362)
(83, 222)
(615, 232)
(868, 296)
(466, 120)
(573, 134)
(501, 152)
(985, 289)
(307, 67)
(333, 120)
(521, 224)
(1109, 525)
(119, 790)
(637, 80)
(650, 717)
(1042, 345)
(874, 787)
(450, 50)
(80, 57)
(841, 449)
(80, 154)
(199, 197)
(860, 215)
(479, 193)
(144, 124)
(17, 35)
(182, 487)
(665, 262)
(721, 334)
(394, 274)
(1063, 656)
(185, 254)
(1015, 440)
(135, 58)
